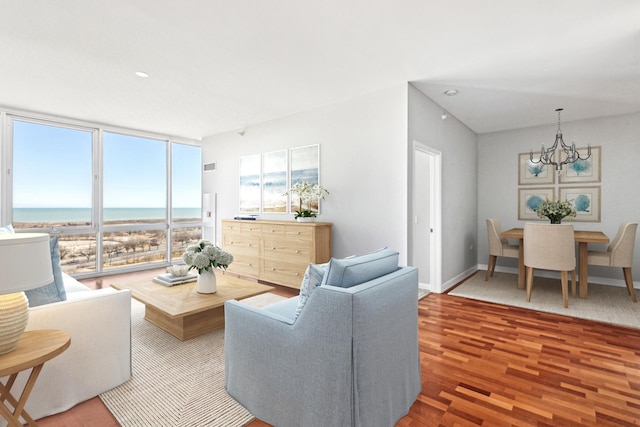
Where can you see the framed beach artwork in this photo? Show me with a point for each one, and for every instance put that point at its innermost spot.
(530, 198)
(250, 183)
(274, 181)
(530, 173)
(585, 200)
(583, 171)
(305, 167)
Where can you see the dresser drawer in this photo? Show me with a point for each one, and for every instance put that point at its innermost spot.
(247, 228)
(287, 251)
(273, 231)
(288, 274)
(298, 234)
(243, 264)
(237, 247)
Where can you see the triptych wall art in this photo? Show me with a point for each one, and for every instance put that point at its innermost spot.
(574, 183)
(266, 177)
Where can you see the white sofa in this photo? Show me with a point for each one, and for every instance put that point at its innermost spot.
(99, 357)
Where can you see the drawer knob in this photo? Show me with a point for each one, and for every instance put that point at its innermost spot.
(273, 248)
(297, 251)
(298, 232)
(297, 274)
(273, 269)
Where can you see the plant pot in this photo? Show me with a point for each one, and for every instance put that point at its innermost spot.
(206, 282)
(555, 221)
(306, 219)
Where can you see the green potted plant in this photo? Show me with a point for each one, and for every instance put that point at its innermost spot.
(555, 210)
(307, 193)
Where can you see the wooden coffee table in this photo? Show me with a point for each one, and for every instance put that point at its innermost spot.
(183, 312)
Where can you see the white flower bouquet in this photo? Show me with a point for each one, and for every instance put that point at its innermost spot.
(555, 211)
(206, 255)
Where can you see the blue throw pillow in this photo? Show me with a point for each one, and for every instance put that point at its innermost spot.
(311, 280)
(349, 272)
(54, 291)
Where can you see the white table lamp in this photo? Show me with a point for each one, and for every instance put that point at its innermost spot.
(25, 263)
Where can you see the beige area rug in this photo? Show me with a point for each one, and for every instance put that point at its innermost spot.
(176, 383)
(610, 304)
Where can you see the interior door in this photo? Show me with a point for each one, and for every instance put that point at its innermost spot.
(426, 235)
(422, 216)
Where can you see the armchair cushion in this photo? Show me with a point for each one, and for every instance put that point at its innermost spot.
(312, 279)
(54, 291)
(348, 272)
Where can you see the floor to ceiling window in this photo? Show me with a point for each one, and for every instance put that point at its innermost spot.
(186, 193)
(115, 200)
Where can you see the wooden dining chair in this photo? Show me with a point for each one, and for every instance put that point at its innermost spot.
(619, 254)
(497, 246)
(550, 247)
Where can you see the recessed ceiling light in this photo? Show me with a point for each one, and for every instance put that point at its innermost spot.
(142, 74)
(451, 92)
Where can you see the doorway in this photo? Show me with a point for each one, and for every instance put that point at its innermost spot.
(426, 216)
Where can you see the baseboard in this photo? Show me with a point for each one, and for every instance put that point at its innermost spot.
(456, 279)
(556, 275)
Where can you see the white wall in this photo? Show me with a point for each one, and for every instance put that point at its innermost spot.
(619, 137)
(457, 143)
(363, 163)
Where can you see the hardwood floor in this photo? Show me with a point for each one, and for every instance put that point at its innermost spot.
(493, 365)
(488, 364)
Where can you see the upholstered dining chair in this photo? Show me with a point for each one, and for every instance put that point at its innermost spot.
(497, 246)
(550, 247)
(619, 254)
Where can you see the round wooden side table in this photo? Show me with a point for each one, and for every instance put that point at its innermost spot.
(33, 350)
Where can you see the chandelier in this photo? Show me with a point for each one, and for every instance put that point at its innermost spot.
(548, 155)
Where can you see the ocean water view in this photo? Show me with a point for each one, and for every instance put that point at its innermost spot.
(74, 215)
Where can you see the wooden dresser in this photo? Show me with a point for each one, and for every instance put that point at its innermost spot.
(276, 251)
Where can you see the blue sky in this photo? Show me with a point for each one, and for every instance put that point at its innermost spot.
(53, 168)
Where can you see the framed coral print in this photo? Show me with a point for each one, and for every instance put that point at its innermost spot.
(250, 183)
(274, 181)
(530, 198)
(586, 202)
(530, 173)
(583, 171)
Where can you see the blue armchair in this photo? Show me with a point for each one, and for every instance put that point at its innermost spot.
(350, 358)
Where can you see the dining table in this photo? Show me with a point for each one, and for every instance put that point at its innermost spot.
(582, 237)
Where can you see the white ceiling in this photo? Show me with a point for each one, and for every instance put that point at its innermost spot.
(220, 65)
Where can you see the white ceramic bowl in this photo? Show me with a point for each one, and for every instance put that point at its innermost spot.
(178, 270)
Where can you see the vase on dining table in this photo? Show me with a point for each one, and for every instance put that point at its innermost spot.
(206, 283)
(555, 220)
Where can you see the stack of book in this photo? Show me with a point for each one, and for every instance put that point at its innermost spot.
(169, 279)
(251, 217)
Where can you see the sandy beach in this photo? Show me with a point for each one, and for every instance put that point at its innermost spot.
(119, 248)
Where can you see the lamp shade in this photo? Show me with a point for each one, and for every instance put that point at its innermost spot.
(25, 262)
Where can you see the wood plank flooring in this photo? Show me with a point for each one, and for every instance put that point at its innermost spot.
(493, 365)
(485, 364)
